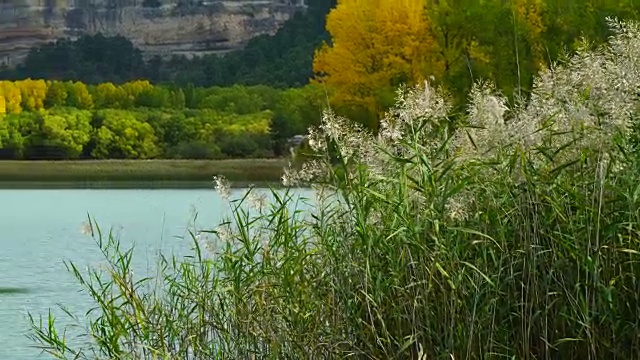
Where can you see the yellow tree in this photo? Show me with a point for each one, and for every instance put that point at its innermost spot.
(375, 46)
(34, 93)
(132, 90)
(110, 96)
(12, 97)
(3, 124)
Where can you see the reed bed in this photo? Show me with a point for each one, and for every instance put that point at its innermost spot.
(507, 232)
(119, 171)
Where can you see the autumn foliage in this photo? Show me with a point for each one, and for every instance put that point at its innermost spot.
(378, 44)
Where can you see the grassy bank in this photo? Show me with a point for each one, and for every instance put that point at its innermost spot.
(133, 173)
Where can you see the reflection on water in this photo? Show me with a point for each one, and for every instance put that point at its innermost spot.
(13, 290)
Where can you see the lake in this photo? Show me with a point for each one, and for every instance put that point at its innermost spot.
(41, 228)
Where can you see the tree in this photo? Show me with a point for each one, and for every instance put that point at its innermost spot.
(4, 131)
(122, 136)
(296, 110)
(12, 97)
(56, 94)
(62, 134)
(235, 99)
(566, 21)
(454, 26)
(91, 59)
(132, 90)
(107, 95)
(497, 40)
(33, 92)
(161, 97)
(79, 96)
(528, 13)
(20, 126)
(375, 46)
(70, 134)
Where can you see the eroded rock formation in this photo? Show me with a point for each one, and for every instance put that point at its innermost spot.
(158, 27)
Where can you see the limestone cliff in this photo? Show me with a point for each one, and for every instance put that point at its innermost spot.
(187, 27)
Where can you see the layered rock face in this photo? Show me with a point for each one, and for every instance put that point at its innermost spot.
(157, 27)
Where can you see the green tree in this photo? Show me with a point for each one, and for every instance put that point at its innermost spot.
(565, 22)
(13, 142)
(20, 127)
(91, 59)
(4, 131)
(56, 94)
(63, 134)
(295, 111)
(122, 136)
(236, 99)
(161, 97)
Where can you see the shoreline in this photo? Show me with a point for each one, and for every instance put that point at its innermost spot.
(143, 174)
(127, 185)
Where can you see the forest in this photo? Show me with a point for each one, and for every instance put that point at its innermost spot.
(96, 97)
(137, 120)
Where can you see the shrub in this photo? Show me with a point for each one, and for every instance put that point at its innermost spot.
(511, 235)
(245, 145)
(194, 150)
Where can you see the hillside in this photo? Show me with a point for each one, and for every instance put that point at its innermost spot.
(283, 59)
(157, 27)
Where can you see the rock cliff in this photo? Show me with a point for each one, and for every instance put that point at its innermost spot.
(157, 27)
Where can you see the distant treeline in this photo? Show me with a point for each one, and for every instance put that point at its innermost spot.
(283, 60)
(137, 120)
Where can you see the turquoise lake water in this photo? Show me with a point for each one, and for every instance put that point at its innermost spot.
(41, 228)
